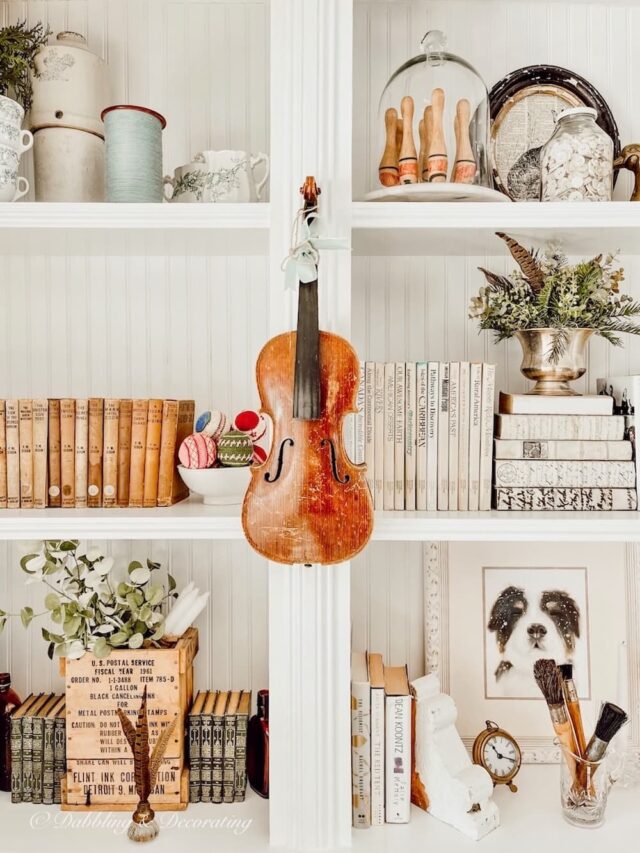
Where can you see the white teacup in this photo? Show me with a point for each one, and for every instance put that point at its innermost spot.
(218, 176)
(20, 140)
(12, 186)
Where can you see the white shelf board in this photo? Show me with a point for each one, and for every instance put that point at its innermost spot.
(191, 519)
(462, 228)
(531, 821)
(232, 228)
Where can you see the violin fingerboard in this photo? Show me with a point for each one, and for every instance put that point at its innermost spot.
(306, 387)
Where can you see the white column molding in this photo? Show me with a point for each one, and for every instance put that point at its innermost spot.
(309, 606)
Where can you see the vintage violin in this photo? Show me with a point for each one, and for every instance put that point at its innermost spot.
(308, 503)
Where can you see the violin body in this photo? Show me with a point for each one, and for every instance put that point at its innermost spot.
(308, 503)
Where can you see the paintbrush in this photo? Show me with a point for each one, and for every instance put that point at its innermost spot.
(610, 721)
(573, 706)
(549, 681)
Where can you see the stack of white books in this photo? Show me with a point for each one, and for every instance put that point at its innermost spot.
(562, 453)
(425, 432)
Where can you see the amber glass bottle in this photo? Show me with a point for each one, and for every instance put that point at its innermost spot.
(9, 701)
(258, 747)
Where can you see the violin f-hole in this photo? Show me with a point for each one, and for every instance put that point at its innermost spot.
(334, 462)
(283, 444)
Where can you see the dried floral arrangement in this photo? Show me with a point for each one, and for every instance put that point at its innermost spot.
(95, 612)
(547, 292)
(18, 47)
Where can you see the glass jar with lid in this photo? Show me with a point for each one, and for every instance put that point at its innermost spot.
(577, 161)
(432, 130)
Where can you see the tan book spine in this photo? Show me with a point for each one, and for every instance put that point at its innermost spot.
(82, 452)
(138, 451)
(68, 451)
(124, 451)
(40, 431)
(25, 409)
(152, 455)
(55, 493)
(110, 458)
(13, 454)
(186, 418)
(168, 439)
(94, 488)
(3, 456)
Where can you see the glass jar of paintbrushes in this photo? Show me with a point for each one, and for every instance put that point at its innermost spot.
(584, 788)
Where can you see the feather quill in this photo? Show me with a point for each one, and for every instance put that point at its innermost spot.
(526, 261)
(129, 729)
(159, 750)
(141, 755)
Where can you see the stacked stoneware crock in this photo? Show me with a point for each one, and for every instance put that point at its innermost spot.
(69, 93)
(13, 143)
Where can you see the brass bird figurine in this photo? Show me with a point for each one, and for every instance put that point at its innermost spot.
(143, 826)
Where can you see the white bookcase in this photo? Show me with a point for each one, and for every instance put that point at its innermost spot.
(152, 300)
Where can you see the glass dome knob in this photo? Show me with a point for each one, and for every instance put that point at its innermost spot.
(434, 44)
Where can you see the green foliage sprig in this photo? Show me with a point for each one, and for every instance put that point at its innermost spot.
(18, 47)
(94, 611)
(547, 292)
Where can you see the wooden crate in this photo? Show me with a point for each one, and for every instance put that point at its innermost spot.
(99, 762)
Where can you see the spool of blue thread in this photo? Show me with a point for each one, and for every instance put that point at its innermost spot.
(133, 137)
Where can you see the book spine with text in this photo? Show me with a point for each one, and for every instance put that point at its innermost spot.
(486, 434)
(27, 758)
(195, 757)
(389, 435)
(206, 758)
(463, 443)
(218, 758)
(454, 432)
(168, 438)
(361, 754)
(548, 473)
(16, 760)
(82, 453)
(55, 482)
(421, 435)
(378, 437)
(12, 430)
(186, 418)
(580, 500)
(68, 452)
(139, 416)
(48, 761)
(152, 453)
(358, 454)
(40, 452)
(398, 759)
(59, 756)
(443, 438)
(3, 456)
(577, 451)
(475, 429)
(240, 782)
(25, 414)
(229, 758)
(96, 446)
(110, 453)
(369, 417)
(433, 405)
(410, 437)
(38, 758)
(399, 433)
(124, 451)
(377, 756)
(561, 427)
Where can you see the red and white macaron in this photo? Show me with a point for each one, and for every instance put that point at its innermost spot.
(197, 451)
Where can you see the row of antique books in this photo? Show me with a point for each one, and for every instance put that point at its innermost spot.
(217, 732)
(92, 453)
(563, 453)
(381, 743)
(425, 431)
(38, 749)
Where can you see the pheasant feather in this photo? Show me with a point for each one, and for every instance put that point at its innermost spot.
(526, 260)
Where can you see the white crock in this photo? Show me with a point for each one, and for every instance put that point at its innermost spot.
(69, 86)
(68, 165)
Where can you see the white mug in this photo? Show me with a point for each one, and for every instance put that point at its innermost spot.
(12, 187)
(218, 176)
(20, 140)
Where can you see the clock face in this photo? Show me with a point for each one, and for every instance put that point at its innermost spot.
(500, 757)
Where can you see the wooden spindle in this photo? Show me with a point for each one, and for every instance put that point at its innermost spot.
(388, 171)
(398, 136)
(464, 169)
(408, 154)
(428, 131)
(437, 161)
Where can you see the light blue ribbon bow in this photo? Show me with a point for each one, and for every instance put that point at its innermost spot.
(301, 264)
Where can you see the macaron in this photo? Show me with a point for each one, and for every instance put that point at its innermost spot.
(197, 451)
(253, 423)
(235, 449)
(213, 424)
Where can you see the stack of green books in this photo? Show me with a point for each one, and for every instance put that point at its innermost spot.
(38, 749)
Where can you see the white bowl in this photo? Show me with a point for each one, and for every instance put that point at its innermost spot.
(218, 486)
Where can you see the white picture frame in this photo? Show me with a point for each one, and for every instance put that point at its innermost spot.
(456, 654)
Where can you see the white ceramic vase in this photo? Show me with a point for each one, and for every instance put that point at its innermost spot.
(69, 86)
(68, 165)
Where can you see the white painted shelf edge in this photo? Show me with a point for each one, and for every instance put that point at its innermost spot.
(191, 519)
(29, 216)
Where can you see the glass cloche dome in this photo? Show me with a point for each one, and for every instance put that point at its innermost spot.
(433, 126)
